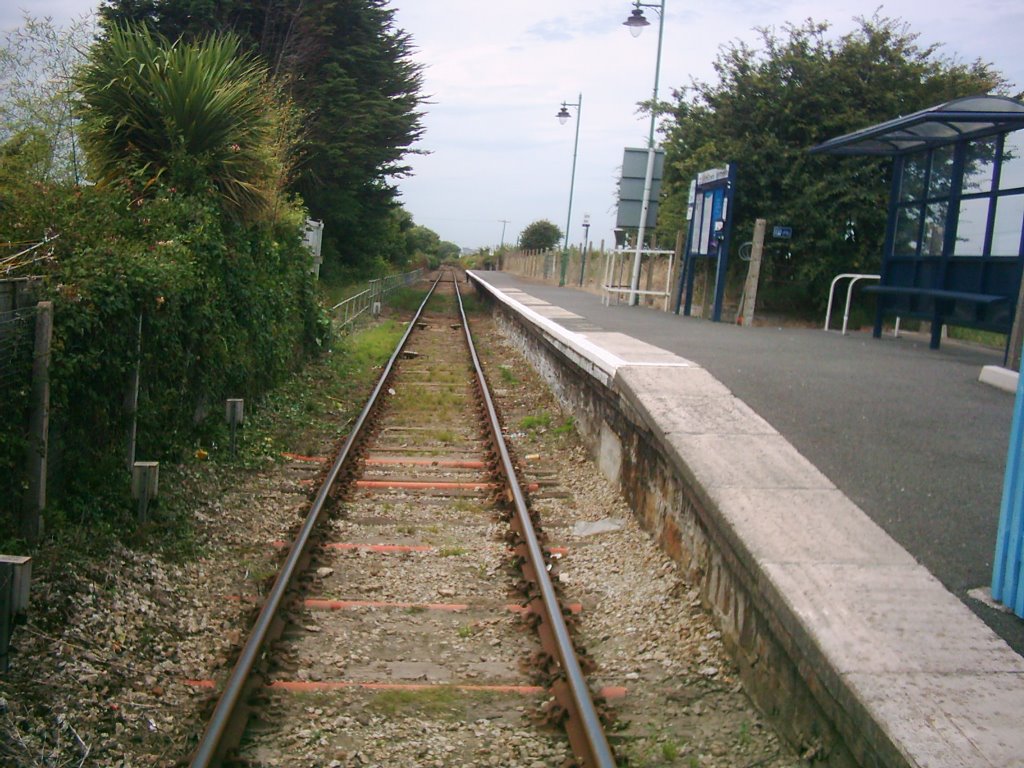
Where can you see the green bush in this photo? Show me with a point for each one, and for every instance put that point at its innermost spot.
(185, 263)
(227, 310)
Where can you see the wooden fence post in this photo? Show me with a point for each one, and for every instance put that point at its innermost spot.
(749, 298)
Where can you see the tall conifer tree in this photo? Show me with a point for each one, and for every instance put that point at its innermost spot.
(350, 68)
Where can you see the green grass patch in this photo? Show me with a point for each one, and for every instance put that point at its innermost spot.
(566, 427)
(441, 701)
(452, 551)
(406, 299)
(289, 417)
(533, 422)
(471, 303)
(975, 336)
(744, 737)
(505, 372)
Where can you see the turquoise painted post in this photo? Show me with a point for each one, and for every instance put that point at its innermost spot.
(1007, 574)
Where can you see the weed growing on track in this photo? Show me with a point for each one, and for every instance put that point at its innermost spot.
(437, 701)
(540, 421)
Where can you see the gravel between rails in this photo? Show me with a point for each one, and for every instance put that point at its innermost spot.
(99, 673)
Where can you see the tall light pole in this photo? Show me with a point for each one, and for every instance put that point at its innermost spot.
(583, 253)
(563, 117)
(501, 248)
(636, 23)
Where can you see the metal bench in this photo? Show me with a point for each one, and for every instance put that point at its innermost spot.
(940, 295)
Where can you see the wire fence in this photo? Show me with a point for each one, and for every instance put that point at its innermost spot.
(369, 301)
(16, 339)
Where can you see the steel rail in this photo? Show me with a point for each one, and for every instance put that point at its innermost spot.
(213, 745)
(589, 743)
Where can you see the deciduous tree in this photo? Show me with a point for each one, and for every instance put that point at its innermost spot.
(539, 236)
(771, 104)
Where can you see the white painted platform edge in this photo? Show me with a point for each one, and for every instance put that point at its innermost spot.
(999, 377)
(602, 358)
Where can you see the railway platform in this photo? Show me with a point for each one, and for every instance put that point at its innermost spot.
(861, 478)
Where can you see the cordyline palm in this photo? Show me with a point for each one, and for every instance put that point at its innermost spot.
(192, 114)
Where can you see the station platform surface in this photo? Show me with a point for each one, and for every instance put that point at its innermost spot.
(909, 434)
(859, 480)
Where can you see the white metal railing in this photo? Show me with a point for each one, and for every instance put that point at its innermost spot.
(853, 277)
(347, 312)
(612, 284)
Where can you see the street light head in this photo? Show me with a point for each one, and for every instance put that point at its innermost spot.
(636, 22)
(563, 114)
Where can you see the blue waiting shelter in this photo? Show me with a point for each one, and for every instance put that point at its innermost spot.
(954, 242)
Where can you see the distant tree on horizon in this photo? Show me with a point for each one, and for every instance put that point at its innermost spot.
(539, 236)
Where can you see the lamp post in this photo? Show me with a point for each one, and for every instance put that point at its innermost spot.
(563, 116)
(636, 23)
(586, 238)
(501, 248)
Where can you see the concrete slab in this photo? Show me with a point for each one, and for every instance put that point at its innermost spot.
(557, 313)
(787, 525)
(887, 619)
(655, 389)
(948, 721)
(751, 462)
(635, 352)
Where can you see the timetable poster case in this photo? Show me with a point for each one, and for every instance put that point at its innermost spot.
(711, 200)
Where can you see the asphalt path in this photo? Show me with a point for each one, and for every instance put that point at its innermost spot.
(908, 433)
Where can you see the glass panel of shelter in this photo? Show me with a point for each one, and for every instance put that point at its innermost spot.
(1009, 225)
(934, 228)
(922, 218)
(940, 180)
(971, 226)
(908, 229)
(979, 166)
(915, 169)
(1011, 174)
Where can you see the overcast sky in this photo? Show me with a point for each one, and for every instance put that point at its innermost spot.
(496, 74)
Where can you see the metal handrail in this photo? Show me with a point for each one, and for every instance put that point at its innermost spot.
(597, 750)
(854, 278)
(610, 287)
(349, 310)
(211, 747)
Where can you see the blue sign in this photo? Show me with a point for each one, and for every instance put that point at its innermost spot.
(782, 233)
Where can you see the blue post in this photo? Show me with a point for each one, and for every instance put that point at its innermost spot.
(1007, 574)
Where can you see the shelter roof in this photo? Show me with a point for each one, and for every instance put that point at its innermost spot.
(957, 120)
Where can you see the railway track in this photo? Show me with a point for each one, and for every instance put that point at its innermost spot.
(413, 592)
